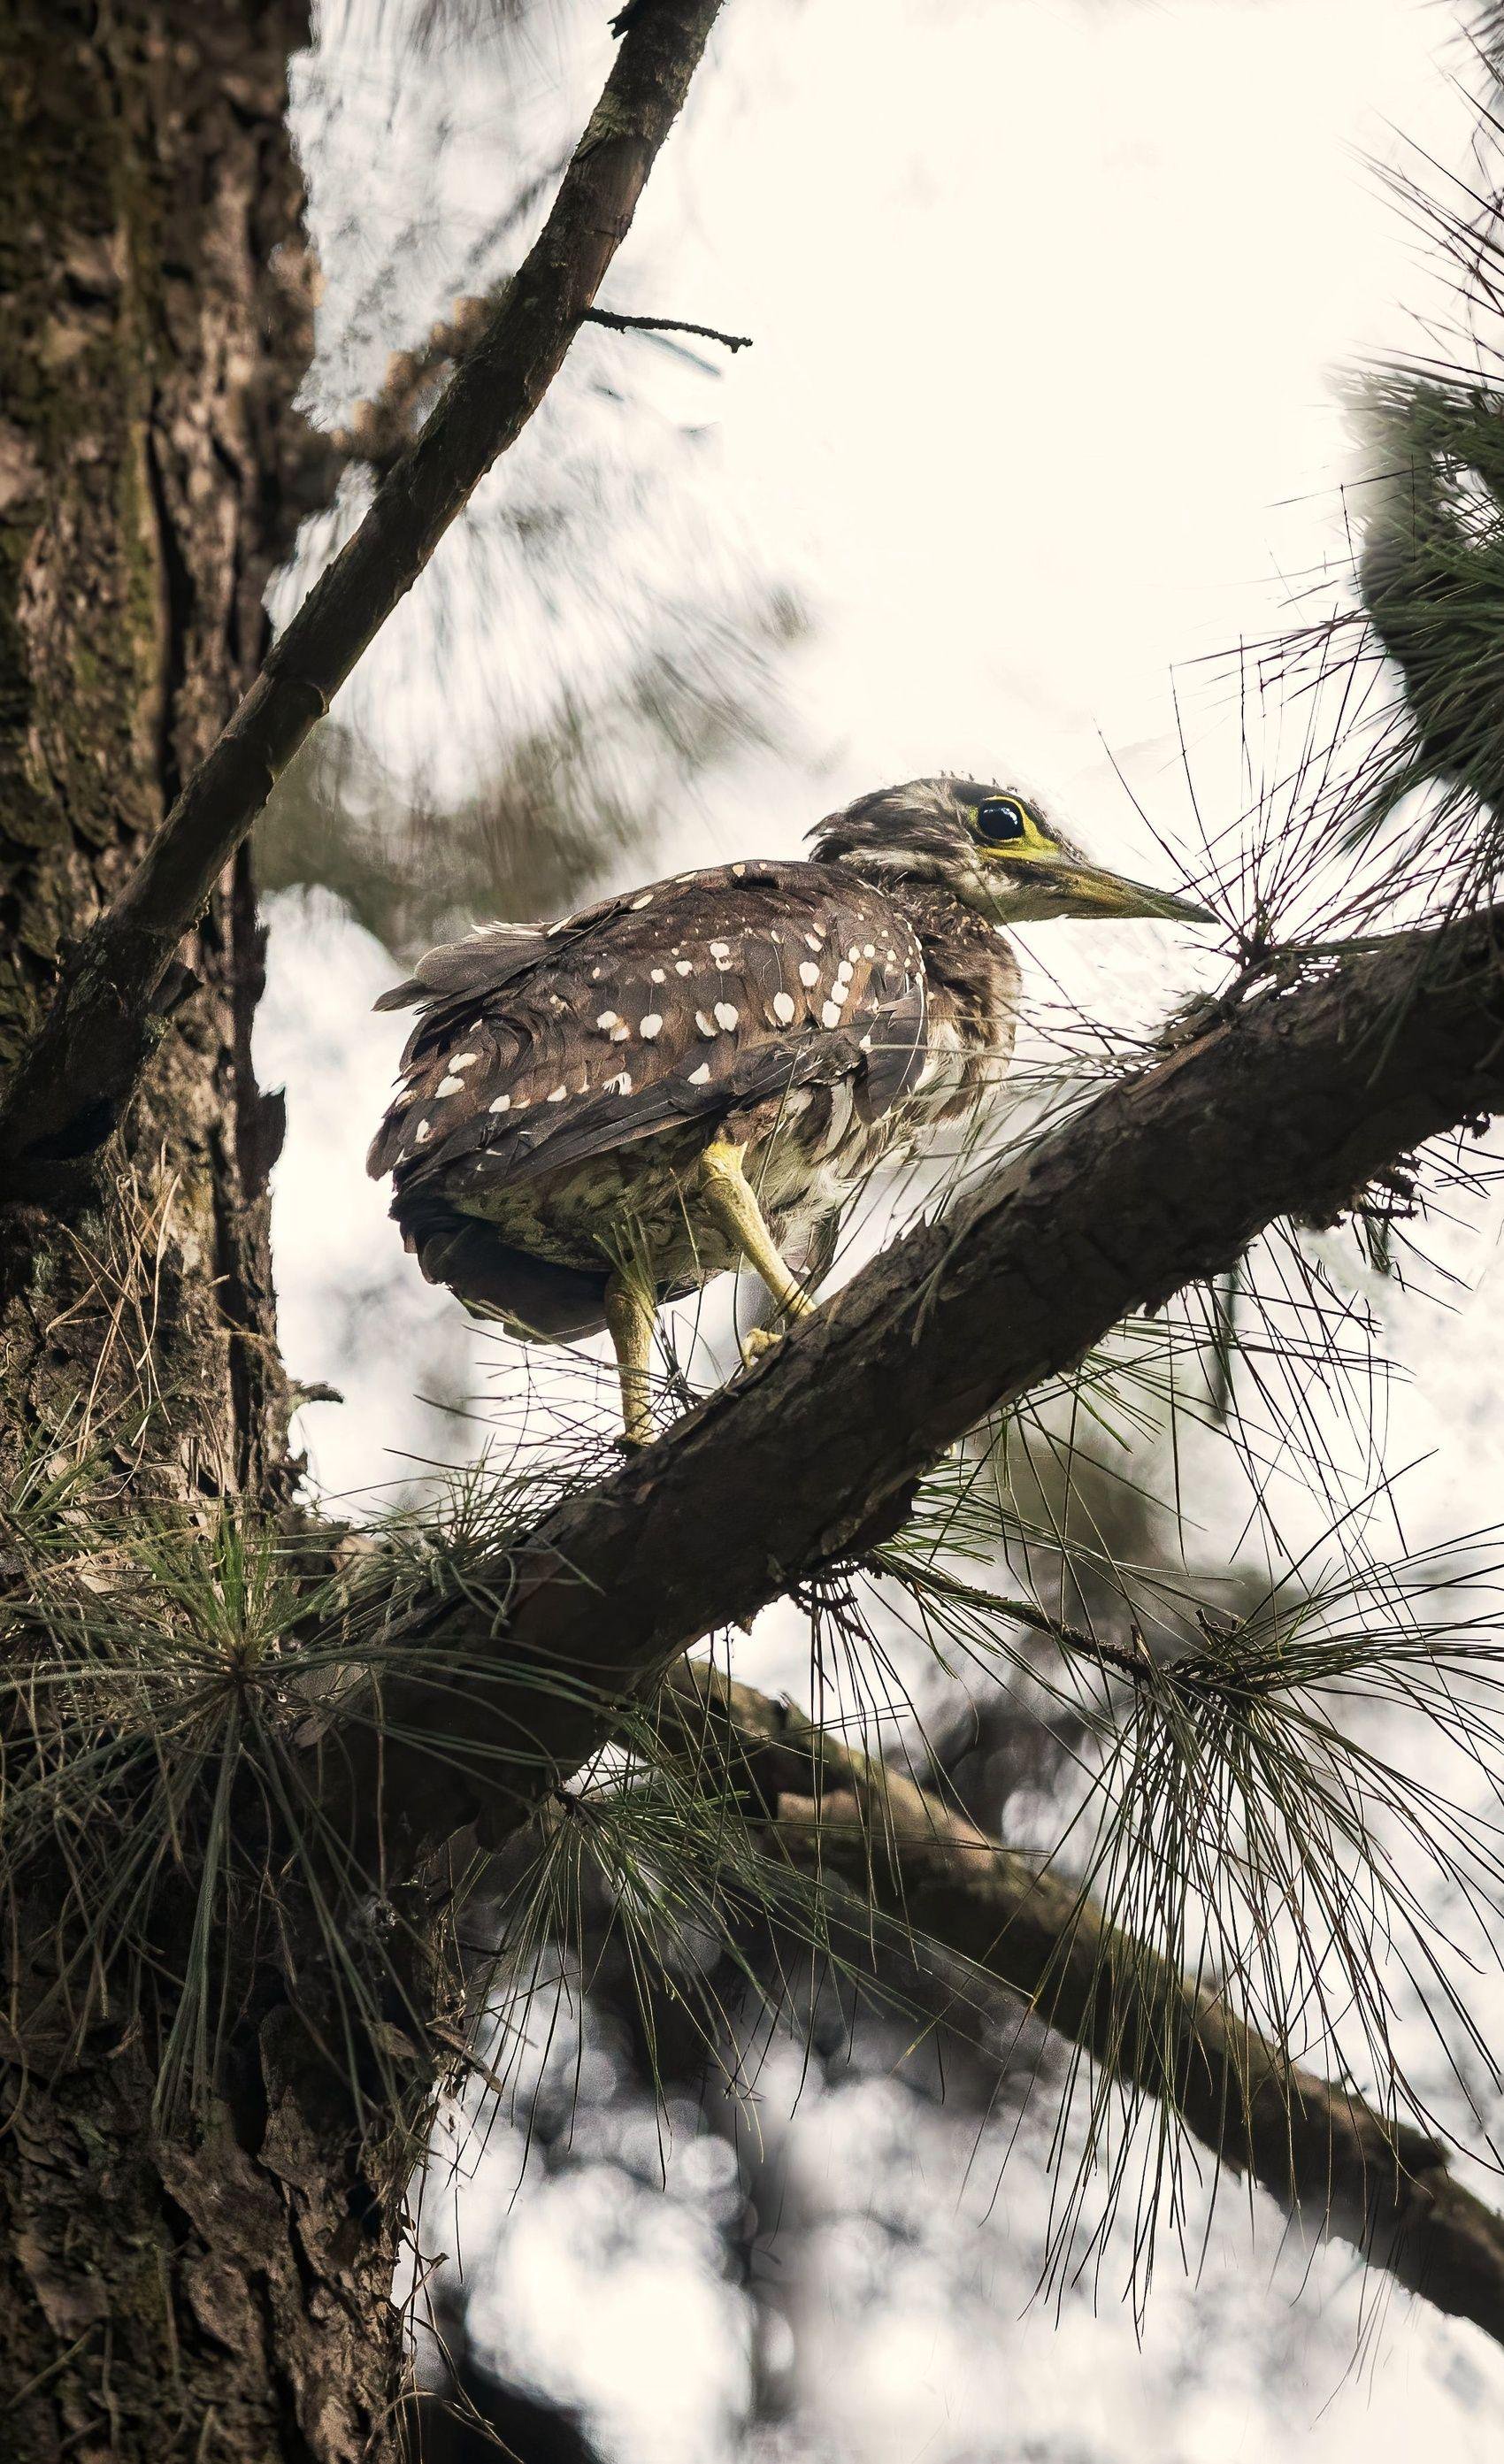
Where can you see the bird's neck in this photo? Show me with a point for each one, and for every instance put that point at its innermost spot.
(966, 960)
(971, 980)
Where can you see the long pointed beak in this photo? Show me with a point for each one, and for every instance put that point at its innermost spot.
(1086, 890)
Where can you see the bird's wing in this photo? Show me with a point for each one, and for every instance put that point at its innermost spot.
(679, 1004)
(485, 958)
(456, 974)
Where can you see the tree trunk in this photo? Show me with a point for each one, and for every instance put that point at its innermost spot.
(174, 2293)
(219, 2288)
(153, 327)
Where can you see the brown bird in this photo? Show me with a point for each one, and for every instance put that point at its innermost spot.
(598, 1115)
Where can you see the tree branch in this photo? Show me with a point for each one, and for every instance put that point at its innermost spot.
(619, 325)
(67, 1090)
(1288, 1106)
(1332, 2161)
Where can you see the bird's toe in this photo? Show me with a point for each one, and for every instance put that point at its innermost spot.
(759, 1340)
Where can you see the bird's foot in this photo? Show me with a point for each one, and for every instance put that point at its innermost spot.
(757, 1342)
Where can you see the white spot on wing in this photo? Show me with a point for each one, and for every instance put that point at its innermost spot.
(556, 1094)
(620, 1084)
(683, 967)
(784, 1009)
(831, 1014)
(423, 1129)
(502, 1103)
(652, 1025)
(706, 1025)
(450, 1087)
(646, 900)
(726, 1016)
(607, 1020)
(463, 1060)
(808, 975)
(700, 1077)
(657, 975)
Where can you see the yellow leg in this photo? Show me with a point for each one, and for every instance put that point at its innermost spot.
(630, 1317)
(730, 1200)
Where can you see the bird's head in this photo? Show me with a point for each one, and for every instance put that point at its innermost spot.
(994, 848)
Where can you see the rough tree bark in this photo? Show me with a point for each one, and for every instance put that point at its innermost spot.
(208, 2294)
(155, 326)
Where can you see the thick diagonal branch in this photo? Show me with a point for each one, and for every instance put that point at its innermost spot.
(1288, 1107)
(1341, 2169)
(68, 1088)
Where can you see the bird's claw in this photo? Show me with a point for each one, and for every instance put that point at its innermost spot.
(761, 1339)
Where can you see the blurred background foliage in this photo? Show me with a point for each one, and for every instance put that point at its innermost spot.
(569, 803)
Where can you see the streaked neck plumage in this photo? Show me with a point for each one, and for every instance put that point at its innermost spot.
(972, 980)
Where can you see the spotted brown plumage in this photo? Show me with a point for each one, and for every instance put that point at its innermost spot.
(703, 1070)
(771, 993)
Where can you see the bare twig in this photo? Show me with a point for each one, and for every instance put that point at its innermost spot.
(383, 426)
(69, 1087)
(1331, 2160)
(1289, 1107)
(619, 325)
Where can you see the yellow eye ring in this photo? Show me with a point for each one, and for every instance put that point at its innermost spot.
(1002, 820)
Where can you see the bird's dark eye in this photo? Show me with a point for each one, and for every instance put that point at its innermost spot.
(999, 820)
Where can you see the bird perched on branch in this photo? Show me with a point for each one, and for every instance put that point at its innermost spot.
(598, 1115)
